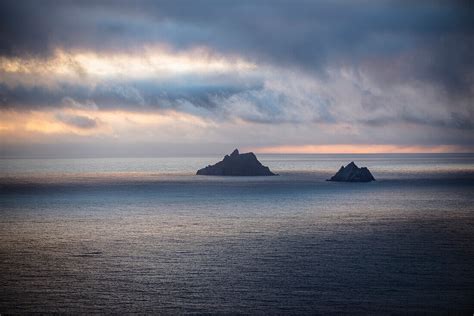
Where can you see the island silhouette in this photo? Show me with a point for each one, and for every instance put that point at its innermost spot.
(247, 164)
(237, 164)
(352, 173)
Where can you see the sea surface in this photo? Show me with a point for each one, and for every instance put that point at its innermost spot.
(146, 235)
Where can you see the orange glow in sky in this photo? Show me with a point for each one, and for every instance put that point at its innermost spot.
(33, 125)
(359, 149)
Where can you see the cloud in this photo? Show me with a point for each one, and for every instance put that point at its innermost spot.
(140, 95)
(430, 41)
(306, 33)
(453, 121)
(277, 96)
(78, 121)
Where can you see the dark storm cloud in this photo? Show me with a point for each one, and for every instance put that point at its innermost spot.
(308, 34)
(128, 95)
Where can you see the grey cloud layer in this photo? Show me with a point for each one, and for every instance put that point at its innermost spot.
(418, 57)
(128, 95)
(309, 34)
(434, 38)
(78, 121)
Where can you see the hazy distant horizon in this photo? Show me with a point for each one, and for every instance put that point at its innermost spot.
(184, 150)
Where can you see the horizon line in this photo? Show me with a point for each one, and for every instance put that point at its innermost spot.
(221, 154)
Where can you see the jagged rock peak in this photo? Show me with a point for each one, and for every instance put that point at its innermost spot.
(352, 173)
(237, 164)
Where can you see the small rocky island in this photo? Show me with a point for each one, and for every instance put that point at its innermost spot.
(352, 173)
(237, 164)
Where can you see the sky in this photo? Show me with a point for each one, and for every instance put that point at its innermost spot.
(153, 78)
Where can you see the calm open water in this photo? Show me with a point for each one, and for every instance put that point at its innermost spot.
(147, 235)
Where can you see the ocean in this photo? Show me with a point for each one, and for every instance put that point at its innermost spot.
(147, 235)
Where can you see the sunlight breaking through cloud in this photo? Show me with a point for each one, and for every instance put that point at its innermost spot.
(151, 62)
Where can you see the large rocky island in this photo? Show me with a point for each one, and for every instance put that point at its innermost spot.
(237, 164)
(352, 173)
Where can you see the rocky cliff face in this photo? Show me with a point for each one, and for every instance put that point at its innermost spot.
(352, 173)
(237, 164)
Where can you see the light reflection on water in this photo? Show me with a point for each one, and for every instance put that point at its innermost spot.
(393, 163)
(143, 236)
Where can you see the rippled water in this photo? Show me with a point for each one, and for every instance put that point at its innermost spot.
(146, 235)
